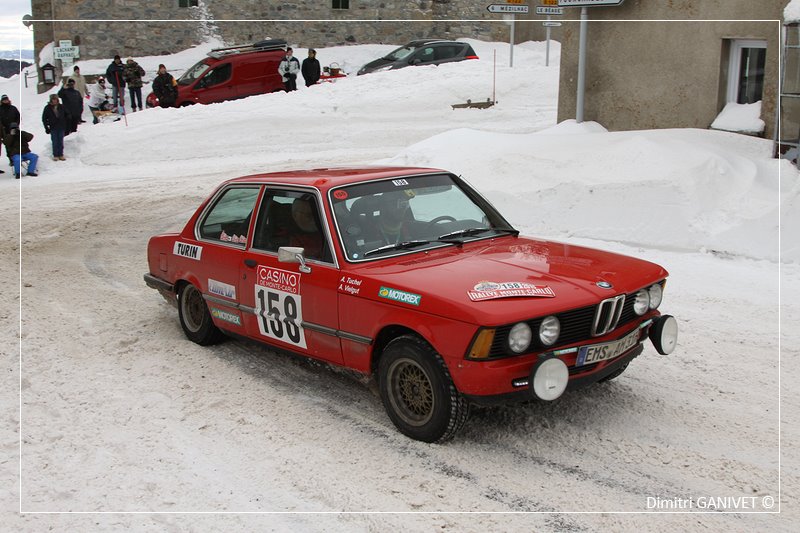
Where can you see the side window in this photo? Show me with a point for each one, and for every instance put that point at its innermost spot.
(446, 52)
(291, 218)
(229, 219)
(424, 54)
(217, 75)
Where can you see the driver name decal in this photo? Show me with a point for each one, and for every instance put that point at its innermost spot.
(187, 250)
(489, 290)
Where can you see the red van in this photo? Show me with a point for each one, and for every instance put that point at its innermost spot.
(231, 73)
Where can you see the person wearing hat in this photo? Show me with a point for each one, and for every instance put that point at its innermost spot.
(133, 77)
(164, 87)
(115, 74)
(16, 142)
(73, 101)
(55, 118)
(310, 68)
(8, 115)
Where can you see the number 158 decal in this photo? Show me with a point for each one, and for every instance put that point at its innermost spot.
(280, 315)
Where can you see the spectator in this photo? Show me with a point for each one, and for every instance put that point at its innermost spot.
(8, 115)
(115, 74)
(164, 87)
(73, 101)
(55, 119)
(16, 142)
(310, 68)
(80, 81)
(133, 77)
(288, 69)
(98, 99)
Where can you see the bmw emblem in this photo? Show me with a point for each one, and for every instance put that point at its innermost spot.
(604, 284)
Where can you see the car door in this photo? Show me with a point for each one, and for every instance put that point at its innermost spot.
(216, 85)
(221, 237)
(291, 305)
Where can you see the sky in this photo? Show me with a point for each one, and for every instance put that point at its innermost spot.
(11, 28)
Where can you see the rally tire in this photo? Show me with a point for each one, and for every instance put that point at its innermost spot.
(194, 316)
(417, 392)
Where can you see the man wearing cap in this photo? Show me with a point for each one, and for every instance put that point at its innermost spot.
(115, 74)
(310, 68)
(164, 87)
(73, 101)
(8, 115)
(16, 142)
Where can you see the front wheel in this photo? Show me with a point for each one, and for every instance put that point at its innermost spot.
(195, 318)
(417, 392)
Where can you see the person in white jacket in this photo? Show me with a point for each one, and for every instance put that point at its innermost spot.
(288, 69)
(98, 99)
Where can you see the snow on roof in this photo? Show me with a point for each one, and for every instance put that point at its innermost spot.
(791, 12)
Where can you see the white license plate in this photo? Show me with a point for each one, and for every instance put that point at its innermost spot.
(595, 353)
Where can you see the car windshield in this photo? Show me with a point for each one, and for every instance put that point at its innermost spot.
(400, 53)
(193, 73)
(405, 215)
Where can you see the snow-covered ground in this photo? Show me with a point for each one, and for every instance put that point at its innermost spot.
(120, 413)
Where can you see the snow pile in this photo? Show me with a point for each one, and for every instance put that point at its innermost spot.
(743, 118)
(791, 13)
(47, 55)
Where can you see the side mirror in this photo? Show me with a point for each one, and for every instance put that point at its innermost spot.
(294, 254)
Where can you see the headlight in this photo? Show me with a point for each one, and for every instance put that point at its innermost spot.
(549, 330)
(641, 303)
(519, 338)
(656, 295)
(383, 68)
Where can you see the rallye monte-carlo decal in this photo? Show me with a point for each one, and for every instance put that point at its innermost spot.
(489, 290)
(279, 305)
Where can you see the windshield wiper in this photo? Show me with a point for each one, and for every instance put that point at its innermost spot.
(397, 246)
(469, 232)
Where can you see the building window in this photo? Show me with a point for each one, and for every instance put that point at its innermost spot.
(187, 3)
(746, 71)
(341, 4)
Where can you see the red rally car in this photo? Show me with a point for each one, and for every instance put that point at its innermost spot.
(410, 275)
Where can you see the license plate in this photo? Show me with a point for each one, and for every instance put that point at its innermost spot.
(595, 353)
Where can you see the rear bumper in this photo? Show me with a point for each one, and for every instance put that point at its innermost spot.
(166, 289)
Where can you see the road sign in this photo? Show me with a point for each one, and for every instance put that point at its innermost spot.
(541, 10)
(515, 1)
(548, 24)
(505, 8)
(549, 2)
(66, 52)
(588, 3)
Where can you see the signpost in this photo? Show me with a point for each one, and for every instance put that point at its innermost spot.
(66, 53)
(512, 7)
(584, 4)
(546, 10)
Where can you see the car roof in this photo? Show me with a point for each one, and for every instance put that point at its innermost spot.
(424, 42)
(330, 177)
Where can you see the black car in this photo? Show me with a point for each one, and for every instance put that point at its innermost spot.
(422, 52)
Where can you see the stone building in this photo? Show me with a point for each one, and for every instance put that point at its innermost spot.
(673, 64)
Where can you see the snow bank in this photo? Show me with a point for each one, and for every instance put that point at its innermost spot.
(743, 118)
(791, 13)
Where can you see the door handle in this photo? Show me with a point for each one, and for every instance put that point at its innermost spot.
(251, 263)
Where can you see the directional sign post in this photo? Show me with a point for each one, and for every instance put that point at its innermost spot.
(511, 8)
(66, 53)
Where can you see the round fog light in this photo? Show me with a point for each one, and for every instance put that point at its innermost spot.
(550, 379)
(664, 334)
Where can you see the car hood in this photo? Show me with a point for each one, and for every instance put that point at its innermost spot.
(376, 64)
(474, 283)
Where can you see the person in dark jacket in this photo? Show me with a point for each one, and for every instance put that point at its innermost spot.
(133, 77)
(164, 88)
(310, 68)
(55, 118)
(115, 74)
(8, 115)
(16, 142)
(73, 101)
